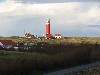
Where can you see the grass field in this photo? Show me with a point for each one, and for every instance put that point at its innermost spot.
(48, 58)
(63, 40)
(62, 53)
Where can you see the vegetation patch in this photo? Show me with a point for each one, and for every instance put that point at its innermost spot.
(89, 71)
(48, 57)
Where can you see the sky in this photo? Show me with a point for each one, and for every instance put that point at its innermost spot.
(71, 18)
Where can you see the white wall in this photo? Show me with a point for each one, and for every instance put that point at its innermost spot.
(58, 37)
(1, 44)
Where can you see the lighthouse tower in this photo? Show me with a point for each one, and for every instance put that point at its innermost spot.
(48, 34)
(48, 27)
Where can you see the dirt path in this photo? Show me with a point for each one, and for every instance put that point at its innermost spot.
(74, 69)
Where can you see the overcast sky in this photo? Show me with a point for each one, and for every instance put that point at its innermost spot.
(77, 18)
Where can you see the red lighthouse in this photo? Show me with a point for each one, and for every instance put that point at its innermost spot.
(48, 27)
(48, 34)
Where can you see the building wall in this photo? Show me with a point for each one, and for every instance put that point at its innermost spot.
(47, 28)
(1, 44)
(58, 37)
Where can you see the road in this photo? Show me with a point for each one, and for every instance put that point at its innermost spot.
(74, 69)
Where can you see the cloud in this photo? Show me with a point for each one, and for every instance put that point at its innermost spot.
(65, 17)
(56, 1)
(8, 6)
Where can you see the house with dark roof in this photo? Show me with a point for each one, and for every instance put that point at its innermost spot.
(7, 43)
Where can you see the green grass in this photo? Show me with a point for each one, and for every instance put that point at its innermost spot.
(9, 56)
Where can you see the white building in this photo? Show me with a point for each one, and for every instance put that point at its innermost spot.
(28, 35)
(58, 36)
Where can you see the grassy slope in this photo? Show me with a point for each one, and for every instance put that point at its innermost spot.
(64, 40)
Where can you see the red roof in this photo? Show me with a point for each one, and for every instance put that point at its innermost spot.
(57, 34)
(7, 42)
(49, 35)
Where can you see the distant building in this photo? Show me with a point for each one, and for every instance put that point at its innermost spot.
(7, 43)
(49, 36)
(34, 36)
(58, 36)
(28, 35)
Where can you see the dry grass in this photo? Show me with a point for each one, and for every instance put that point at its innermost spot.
(91, 40)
